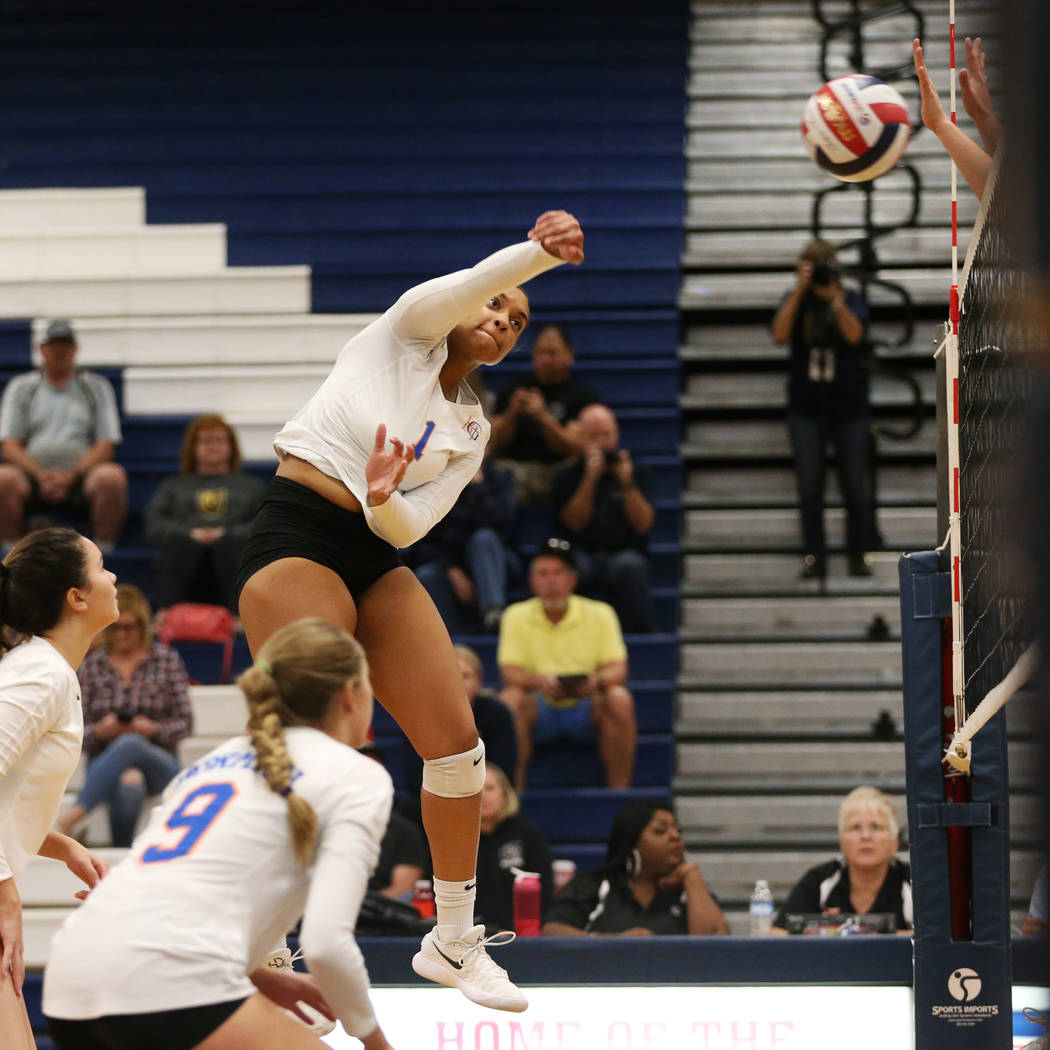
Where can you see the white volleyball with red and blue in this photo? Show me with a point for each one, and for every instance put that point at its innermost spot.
(856, 127)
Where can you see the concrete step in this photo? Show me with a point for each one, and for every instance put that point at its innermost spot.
(738, 110)
(788, 764)
(749, 486)
(749, 164)
(39, 926)
(929, 246)
(762, 291)
(247, 289)
(793, 210)
(50, 883)
(910, 528)
(735, 342)
(112, 251)
(61, 209)
(764, 573)
(792, 712)
(790, 664)
(201, 340)
(748, 438)
(814, 712)
(273, 390)
(722, 390)
(782, 618)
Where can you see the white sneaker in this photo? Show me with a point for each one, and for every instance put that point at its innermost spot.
(320, 1025)
(465, 964)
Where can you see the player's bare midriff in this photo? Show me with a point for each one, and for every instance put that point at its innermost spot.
(295, 469)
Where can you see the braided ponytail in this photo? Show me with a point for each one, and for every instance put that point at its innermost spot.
(298, 671)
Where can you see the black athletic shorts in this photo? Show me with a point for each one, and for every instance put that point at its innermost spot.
(162, 1030)
(296, 522)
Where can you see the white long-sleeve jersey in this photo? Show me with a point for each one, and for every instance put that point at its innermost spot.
(390, 373)
(41, 730)
(211, 884)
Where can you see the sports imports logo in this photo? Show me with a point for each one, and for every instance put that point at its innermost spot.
(964, 985)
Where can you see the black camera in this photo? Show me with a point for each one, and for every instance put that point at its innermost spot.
(824, 273)
(612, 457)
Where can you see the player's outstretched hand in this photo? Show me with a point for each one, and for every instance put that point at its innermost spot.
(933, 115)
(977, 99)
(86, 866)
(558, 233)
(289, 989)
(386, 467)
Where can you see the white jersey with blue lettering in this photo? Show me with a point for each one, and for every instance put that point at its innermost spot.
(390, 373)
(211, 884)
(41, 731)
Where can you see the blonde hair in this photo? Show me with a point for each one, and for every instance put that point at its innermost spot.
(511, 802)
(471, 657)
(866, 797)
(131, 600)
(818, 251)
(296, 674)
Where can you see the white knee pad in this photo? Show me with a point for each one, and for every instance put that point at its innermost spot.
(456, 776)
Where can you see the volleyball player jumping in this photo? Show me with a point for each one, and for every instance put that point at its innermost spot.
(346, 497)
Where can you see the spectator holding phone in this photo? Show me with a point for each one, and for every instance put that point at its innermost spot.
(605, 503)
(564, 668)
(136, 704)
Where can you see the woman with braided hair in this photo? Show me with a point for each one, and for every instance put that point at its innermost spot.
(55, 596)
(279, 824)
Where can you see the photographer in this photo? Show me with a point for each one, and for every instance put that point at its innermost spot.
(605, 503)
(827, 400)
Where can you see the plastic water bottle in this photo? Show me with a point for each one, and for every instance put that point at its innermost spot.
(423, 899)
(761, 909)
(526, 903)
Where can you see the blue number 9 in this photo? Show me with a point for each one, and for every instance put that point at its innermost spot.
(192, 824)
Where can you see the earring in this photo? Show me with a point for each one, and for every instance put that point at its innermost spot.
(633, 864)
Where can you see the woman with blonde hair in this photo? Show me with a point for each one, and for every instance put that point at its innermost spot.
(509, 840)
(136, 699)
(55, 595)
(281, 823)
(867, 877)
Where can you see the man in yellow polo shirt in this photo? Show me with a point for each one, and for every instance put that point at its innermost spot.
(564, 668)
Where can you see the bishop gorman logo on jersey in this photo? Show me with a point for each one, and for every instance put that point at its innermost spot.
(212, 503)
(473, 428)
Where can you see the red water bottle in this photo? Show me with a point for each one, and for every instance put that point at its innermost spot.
(526, 903)
(423, 899)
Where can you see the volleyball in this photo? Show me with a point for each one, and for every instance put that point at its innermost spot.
(855, 127)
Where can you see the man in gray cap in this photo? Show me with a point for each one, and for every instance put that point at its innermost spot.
(59, 429)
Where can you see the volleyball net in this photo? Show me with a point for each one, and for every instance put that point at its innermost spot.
(990, 388)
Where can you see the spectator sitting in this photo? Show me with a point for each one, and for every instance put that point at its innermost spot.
(605, 503)
(534, 428)
(508, 840)
(828, 400)
(867, 877)
(564, 668)
(493, 721)
(403, 856)
(59, 429)
(200, 517)
(645, 887)
(464, 561)
(136, 710)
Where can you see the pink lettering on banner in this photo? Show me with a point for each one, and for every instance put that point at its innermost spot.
(480, 1043)
(654, 1035)
(619, 1036)
(778, 1041)
(705, 1028)
(567, 1032)
(450, 1042)
(743, 1041)
(520, 1040)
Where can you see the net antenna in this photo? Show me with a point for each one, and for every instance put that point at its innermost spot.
(958, 752)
